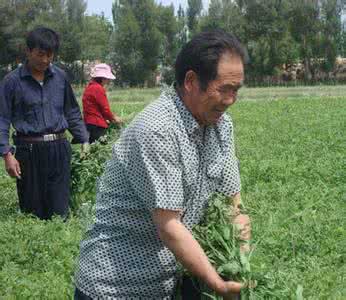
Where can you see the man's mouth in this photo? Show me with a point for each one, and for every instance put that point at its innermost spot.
(218, 114)
(219, 111)
(44, 66)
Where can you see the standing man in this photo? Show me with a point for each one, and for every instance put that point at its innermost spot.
(38, 101)
(156, 186)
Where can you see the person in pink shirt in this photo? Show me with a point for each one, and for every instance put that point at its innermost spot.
(96, 110)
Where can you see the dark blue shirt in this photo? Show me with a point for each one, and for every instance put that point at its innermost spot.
(35, 108)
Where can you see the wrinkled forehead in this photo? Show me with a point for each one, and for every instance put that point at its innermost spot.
(230, 65)
(233, 59)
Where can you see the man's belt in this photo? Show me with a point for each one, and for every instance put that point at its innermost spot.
(42, 138)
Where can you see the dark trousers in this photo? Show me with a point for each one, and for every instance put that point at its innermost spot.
(79, 295)
(95, 132)
(44, 187)
(189, 291)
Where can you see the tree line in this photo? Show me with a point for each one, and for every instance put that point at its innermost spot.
(143, 40)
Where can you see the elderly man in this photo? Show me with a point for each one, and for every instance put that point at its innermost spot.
(38, 101)
(164, 167)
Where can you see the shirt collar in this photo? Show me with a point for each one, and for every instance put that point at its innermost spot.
(25, 71)
(190, 123)
(222, 127)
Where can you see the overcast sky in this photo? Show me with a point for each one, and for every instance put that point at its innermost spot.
(105, 6)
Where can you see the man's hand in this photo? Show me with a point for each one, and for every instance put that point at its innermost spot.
(231, 290)
(237, 205)
(187, 250)
(12, 165)
(117, 120)
(85, 148)
(242, 222)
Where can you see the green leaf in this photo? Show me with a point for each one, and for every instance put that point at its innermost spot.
(226, 231)
(299, 292)
(232, 268)
(245, 262)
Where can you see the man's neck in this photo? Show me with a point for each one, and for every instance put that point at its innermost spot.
(39, 76)
(188, 103)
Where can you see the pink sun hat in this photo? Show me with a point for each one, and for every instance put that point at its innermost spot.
(102, 70)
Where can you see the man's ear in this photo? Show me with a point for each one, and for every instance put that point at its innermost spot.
(191, 81)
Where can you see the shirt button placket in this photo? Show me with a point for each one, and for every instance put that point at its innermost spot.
(45, 110)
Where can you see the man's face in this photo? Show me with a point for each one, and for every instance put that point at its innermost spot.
(208, 106)
(39, 59)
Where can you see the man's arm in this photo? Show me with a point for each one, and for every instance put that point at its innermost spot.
(157, 178)
(11, 164)
(73, 116)
(6, 91)
(187, 250)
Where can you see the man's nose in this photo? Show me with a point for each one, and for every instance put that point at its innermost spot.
(45, 59)
(230, 99)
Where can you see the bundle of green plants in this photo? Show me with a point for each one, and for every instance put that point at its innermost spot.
(87, 167)
(220, 240)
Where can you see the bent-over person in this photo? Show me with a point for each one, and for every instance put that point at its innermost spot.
(156, 186)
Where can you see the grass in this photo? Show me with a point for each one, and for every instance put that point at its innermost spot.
(319, 91)
(291, 145)
(292, 157)
(245, 94)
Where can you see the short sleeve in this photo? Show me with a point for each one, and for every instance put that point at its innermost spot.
(230, 184)
(155, 173)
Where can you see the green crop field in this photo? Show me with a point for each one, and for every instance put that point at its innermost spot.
(291, 143)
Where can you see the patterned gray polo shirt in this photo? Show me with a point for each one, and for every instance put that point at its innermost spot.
(164, 159)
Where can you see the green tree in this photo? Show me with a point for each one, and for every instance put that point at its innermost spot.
(260, 25)
(331, 12)
(15, 17)
(75, 11)
(342, 40)
(183, 30)
(72, 30)
(168, 27)
(125, 43)
(227, 15)
(270, 43)
(305, 28)
(194, 10)
(7, 45)
(95, 40)
(136, 40)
